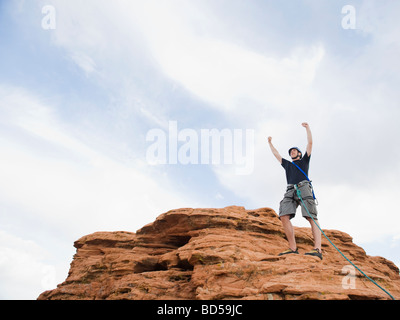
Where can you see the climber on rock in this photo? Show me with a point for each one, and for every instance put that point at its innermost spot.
(296, 178)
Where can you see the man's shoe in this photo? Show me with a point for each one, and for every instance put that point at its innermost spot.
(315, 253)
(288, 251)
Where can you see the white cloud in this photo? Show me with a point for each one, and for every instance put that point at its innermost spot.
(51, 173)
(223, 73)
(24, 274)
(366, 213)
(216, 70)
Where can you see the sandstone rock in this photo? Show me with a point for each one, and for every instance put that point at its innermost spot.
(228, 253)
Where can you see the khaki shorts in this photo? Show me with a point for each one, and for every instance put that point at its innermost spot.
(291, 201)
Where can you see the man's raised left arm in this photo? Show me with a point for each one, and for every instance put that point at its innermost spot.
(309, 138)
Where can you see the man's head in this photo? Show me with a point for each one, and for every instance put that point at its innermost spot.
(295, 153)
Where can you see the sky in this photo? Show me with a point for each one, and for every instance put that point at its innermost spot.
(105, 106)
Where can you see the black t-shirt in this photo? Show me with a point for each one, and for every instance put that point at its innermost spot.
(293, 174)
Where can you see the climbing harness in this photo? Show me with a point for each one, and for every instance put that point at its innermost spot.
(299, 195)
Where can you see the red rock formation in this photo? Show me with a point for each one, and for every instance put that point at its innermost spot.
(228, 253)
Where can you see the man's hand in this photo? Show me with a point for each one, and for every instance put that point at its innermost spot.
(269, 139)
(305, 125)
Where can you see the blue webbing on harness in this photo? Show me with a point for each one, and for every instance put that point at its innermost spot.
(312, 189)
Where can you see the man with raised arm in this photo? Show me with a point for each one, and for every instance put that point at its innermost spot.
(298, 178)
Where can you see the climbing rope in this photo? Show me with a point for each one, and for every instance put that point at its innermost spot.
(299, 195)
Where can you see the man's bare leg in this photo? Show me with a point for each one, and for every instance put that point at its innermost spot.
(288, 228)
(316, 233)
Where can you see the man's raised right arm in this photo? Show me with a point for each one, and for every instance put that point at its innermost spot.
(274, 151)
